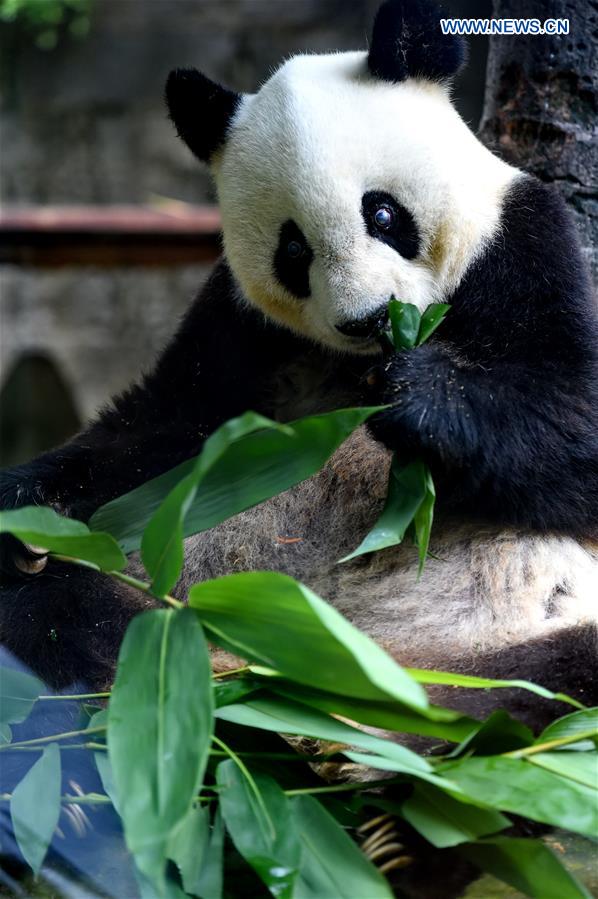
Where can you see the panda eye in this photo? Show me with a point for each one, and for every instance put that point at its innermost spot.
(383, 218)
(390, 222)
(295, 249)
(292, 260)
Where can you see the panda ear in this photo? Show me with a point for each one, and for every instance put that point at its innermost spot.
(407, 42)
(200, 109)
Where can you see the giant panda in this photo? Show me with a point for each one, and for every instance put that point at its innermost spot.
(344, 180)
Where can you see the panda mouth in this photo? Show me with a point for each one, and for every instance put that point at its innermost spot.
(367, 328)
(362, 336)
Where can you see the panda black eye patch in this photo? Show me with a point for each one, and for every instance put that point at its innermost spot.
(387, 220)
(292, 260)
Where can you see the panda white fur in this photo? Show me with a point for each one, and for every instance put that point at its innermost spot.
(346, 179)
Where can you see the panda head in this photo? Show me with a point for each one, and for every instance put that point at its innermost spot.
(347, 178)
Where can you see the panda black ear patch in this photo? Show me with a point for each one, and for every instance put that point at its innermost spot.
(407, 42)
(200, 109)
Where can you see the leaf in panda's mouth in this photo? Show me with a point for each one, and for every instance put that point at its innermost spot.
(408, 328)
(409, 505)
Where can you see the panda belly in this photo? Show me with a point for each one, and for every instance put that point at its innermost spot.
(487, 587)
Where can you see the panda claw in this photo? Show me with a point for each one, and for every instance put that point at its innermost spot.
(20, 559)
(32, 564)
(36, 550)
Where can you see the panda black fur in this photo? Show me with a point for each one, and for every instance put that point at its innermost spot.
(501, 403)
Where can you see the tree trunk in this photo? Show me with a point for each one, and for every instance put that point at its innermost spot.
(541, 103)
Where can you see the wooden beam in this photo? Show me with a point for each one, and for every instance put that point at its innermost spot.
(170, 234)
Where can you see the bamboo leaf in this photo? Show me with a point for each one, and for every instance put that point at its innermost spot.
(407, 491)
(35, 807)
(162, 542)
(582, 767)
(18, 692)
(263, 832)
(575, 723)
(228, 692)
(497, 734)
(276, 621)
(331, 863)
(423, 676)
(424, 517)
(45, 527)
(444, 821)
(431, 318)
(159, 730)
(287, 717)
(251, 470)
(404, 323)
(188, 846)
(445, 724)
(527, 865)
(514, 785)
(209, 883)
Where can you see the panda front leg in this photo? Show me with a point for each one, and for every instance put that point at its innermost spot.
(507, 442)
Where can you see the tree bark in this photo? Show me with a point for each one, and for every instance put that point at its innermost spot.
(541, 103)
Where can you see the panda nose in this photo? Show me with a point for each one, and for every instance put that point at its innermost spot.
(370, 326)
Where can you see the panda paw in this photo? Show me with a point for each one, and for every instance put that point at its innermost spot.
(19, 560)
(413, 385)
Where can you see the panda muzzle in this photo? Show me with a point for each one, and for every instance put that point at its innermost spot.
(369, 327)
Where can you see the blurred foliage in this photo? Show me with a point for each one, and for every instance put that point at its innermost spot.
(47, 19)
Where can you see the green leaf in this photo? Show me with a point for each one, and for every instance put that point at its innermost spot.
(411, 494)
(251, 470)
(515, 785)
(188, 845)
(407, 490)
(433, 316)
(147, 890)
(527, 865)
(581, 767)
(424, 676)
(209, 884)
(404, 323)
(445, 724)
(162, 542)
(261, 826)
(105, 771)
(276, 621)
(98, 719)
(387, 763)
(286, 717)
(160, 721)
(5, 734)
(35, 807)
(18, 692)
(444, 821)
(45, 527)
(227, 692)
(332, 866)
(569, 725)
(499, 733)
(424, 517)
